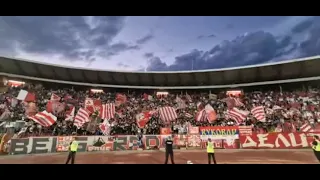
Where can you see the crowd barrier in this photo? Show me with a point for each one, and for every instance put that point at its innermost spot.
(223, 137)
(36, 145)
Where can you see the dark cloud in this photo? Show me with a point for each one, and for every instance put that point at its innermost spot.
(122, 65)
(200, 37)
(145, 39)
(251, 48)
(229, 26)
(155, 64)
(74, 37)
(148, 55)
(207, 36)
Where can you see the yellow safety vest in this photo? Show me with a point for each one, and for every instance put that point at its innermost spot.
(74, 146)
(210, 147)
(317, 147)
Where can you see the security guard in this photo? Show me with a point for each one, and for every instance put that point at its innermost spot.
(316, 147)
(169, 150)
(72, 150)
(210, 151)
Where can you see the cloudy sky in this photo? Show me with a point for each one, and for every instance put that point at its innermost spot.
(159, 43)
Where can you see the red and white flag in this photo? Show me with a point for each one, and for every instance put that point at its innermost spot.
(237, 102)
(143, 118)
(201, 116)
(55, 107)
(120, 99)
(167, 114)
(92, 105)
(188, 97)
(44, 118)
(306, 127)
(233, 102)
(81, 117)
(26, 96)
(147, 97)
(105, 127)
(258, 113)
(237, 115)
(55, 97)
(188, 115)
(181, 103)
(108, 111)
(70, 113)
(211, 113)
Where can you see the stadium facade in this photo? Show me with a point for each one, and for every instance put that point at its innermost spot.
(298, 70)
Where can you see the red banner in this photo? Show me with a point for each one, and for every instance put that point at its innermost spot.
(276, 141)
(165, 131)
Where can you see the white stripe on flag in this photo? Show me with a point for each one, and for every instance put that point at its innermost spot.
(44, 118)
(306, 127)
(108, 111)
(202, 115)
(258, 113)
(237, 115)
(81, 118)
(168, 114)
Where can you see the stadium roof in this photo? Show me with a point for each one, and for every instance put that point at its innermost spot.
(304, 68)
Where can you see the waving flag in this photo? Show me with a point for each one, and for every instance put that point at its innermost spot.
(120, 99)
(70, 113)
(180, 102)
(201, 116)
(105, 127)
(26, 96)
(81, 117)
(258, 113)
(44, 118)
(92, 105)
(55, 97)
(237, 115)
(143, 118)
(211, 113)
(306, 127)
(108, 111)
(55, 107)
(147, 97)
(167, 114)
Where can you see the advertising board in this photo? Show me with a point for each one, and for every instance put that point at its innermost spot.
(276, 141)
(219, 132)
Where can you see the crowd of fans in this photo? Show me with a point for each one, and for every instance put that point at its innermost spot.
(302, 101)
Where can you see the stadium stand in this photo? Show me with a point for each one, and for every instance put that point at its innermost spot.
(41, 99)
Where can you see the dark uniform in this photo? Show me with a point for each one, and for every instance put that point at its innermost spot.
(169, 150)
(316, 147)
(72, 151)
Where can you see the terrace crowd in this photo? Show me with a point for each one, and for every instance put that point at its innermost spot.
(284, 110)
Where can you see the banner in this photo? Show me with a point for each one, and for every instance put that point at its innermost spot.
(193, 130)
(219, 132)
(63, 143)
(165, 131)
(276, 140)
